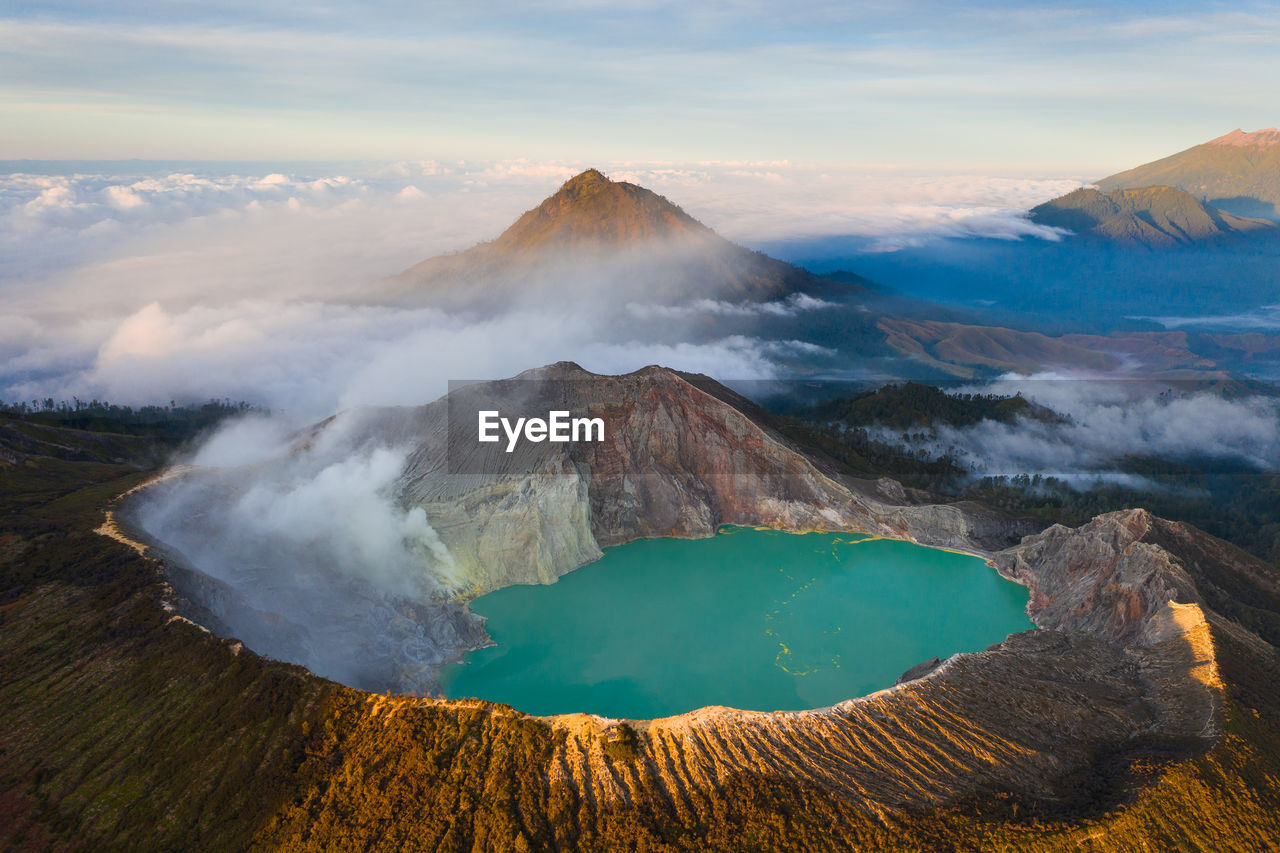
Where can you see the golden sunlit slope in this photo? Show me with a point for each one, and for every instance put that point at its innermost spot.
(1239, 172)
(591, 210)
(597, 238)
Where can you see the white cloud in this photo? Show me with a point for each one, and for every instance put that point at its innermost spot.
(1265, 318)
(317, 561)
(315, 357)
(1108, 421)
(51, 223)
(797, 303)
(190, 284)
(862, 81)
(896, 206)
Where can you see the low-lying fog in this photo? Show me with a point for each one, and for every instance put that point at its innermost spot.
(1104, 423)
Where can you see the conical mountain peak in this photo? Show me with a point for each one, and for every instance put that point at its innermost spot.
(589, 209)
(583, 182)
(594, 234)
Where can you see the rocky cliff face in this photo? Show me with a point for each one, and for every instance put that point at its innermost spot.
(1124, 661)
(1133, 615)
(675, 461)
(1102, 578)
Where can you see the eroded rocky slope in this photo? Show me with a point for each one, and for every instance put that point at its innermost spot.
(1239, 172)
(1124, 655)
(680, 456)
(1142, 715)
(1124, 663)
(676, 460)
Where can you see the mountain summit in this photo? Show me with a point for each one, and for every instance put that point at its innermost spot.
(1238, 172)
(595, 238)
(1265, 138)
(590, 210)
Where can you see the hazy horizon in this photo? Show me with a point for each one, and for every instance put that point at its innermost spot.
(917, 83)
(190, 192)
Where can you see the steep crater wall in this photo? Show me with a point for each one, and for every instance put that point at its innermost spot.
(1123, 660)
(1124, 664)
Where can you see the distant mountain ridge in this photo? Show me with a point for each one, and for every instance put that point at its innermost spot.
(599, 245)
(1155, 217)
(1265, 138)
(1238, 172)
(594, 238)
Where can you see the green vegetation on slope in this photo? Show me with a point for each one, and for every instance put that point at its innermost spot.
(102, 431)
(913, 405)
(1156, 216)
(1237, 502)
(1242, 506)
(844, 430)
(173, 421)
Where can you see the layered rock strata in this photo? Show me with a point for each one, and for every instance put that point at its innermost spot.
(676, 460)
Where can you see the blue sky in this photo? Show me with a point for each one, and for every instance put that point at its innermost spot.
(1014, 84)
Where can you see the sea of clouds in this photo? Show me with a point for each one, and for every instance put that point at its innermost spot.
(144, 282)
(147, 282)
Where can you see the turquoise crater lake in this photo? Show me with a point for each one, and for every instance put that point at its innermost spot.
(753, 619)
